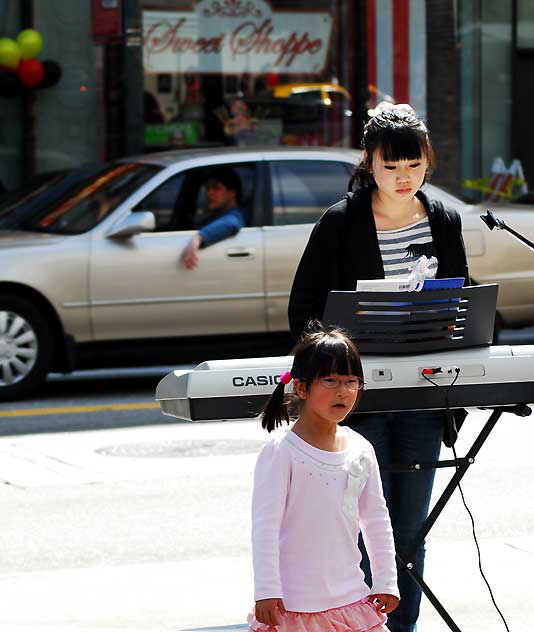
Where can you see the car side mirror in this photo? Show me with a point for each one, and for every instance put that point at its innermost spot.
(133, 224)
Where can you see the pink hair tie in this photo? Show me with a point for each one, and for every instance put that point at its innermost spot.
(285, 378)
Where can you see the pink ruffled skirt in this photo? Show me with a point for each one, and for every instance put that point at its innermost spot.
(360, 616)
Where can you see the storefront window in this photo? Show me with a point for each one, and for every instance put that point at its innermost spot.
(496, 95)
(525, 23)
(523, 69)
(486, 97)
(68, 115)
(497, 65)
(249, 72)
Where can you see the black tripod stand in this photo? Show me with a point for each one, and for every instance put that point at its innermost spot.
(406, 564)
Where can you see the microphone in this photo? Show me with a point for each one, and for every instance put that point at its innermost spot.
(491, 221)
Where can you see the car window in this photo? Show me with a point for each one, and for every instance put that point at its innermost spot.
(76, 201)
(307, 97)
(180, 202)
(304, 189)
(162, 202)
(30, 189)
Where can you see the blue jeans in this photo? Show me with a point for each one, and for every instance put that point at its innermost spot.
(404, 437)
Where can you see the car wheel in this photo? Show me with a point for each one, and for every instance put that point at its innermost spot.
(25, 347)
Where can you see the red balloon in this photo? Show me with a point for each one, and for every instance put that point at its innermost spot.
(31, 72)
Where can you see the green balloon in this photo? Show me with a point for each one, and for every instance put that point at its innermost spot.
(30, 43)
(9, 52)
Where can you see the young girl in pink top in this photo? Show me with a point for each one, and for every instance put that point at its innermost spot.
(316, 486)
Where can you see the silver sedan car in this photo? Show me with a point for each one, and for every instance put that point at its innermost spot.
(93, 256)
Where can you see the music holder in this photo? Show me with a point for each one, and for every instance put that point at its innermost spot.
(415, 322)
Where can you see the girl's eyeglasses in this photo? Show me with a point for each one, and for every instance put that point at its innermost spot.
(352, 383)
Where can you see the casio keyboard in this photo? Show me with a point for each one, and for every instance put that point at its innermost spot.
(235, 389)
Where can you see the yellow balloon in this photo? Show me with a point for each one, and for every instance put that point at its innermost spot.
(9, 52)
(30, 43)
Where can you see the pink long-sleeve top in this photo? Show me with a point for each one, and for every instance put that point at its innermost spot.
(308, 508)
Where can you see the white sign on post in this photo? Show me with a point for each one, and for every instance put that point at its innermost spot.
(236, 36)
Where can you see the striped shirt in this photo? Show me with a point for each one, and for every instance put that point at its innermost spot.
(401, 248)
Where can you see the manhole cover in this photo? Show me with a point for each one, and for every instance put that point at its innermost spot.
(169, 449)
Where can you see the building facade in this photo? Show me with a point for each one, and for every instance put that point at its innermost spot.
(143, 75)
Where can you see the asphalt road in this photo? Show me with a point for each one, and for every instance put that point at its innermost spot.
(89, 400)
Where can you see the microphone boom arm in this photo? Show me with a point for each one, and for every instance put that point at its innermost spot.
(494, 222)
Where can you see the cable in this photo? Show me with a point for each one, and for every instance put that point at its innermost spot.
(478, 550)
(473, 529)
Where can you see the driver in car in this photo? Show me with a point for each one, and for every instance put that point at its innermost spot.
(226, 217)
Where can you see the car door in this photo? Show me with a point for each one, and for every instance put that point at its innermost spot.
(139, 287)
(302, 189)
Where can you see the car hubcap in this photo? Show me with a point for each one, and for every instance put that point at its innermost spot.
(18, 348)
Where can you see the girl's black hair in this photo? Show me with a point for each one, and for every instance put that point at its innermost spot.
(321, 352)
(399, 134)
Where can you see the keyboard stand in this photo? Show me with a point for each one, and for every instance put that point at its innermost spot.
(462, 465)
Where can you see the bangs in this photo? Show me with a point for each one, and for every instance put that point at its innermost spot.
(401, 144)
(332, 355)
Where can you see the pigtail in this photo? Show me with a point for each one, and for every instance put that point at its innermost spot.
(276, 410)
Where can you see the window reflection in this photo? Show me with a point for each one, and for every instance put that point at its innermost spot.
(303, 190)
(74, 202)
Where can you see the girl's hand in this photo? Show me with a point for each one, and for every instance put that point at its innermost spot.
(270, 611)
(384, 603)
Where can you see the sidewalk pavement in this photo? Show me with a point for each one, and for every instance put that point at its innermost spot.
(214, 595)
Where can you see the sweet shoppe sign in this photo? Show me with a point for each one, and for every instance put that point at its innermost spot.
(236, 36)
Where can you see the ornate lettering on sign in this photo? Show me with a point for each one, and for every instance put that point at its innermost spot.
(163, 36)
(249, 38)
(246, 37)
(232, 9)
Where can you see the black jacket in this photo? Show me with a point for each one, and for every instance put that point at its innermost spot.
(343, 248)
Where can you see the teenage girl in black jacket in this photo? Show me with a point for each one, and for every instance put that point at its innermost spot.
(377, 230)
